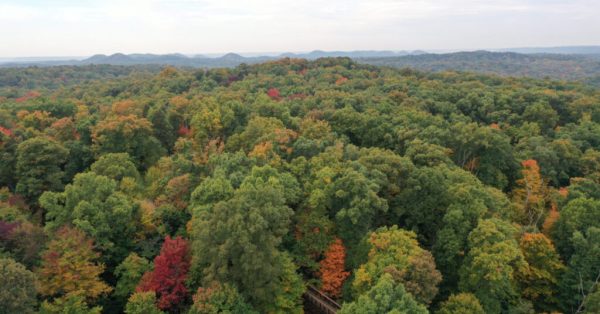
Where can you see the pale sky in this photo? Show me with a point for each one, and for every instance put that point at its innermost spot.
(86, 27)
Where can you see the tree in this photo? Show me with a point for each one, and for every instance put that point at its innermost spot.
(164, 131)
(129, 272)
(39, 162)
(461, 303)
(219, 298)
(539, 280)
(396, 252)
(115, 166)
(168, 278)
(93, 204)
(582, 275)
(530, 195)
(68, 266)
(236, 240)
(578, 215)
(18, 293)
(332, 269)
(385, 296)
(490, 267)
(108, 137)
(25, 242)
(72, 303)
(142, 303)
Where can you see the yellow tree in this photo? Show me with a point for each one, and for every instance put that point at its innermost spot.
(530, 194)
(539, 280)
(68, 266)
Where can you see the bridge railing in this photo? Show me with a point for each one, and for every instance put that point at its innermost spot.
(326, 304)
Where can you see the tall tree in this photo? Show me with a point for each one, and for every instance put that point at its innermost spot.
(236, 240)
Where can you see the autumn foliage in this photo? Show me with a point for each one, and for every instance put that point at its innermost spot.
(274, 94)
(332, 269)
(68, 266)
(530, 196)
(168, 278)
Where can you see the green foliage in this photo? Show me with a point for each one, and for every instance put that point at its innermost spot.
(461, 303)
(130, 272)
(142, 303)
(219, 298)
(18, 294)
(490, 266)
(262, 166)
(93, 204)
(115, 166)
(583, 269)
(39, 162)
(235, 241)
(71, 303)
(385, 296)
(395, 251)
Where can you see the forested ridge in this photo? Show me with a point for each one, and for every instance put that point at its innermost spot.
(173, 190)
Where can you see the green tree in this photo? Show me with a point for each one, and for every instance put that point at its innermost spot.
(236, 241)
(115, 166)
(18, 293)
(491, 265)
(142, 303)
(219, 298)
(93, 204)
(583, 272)
(385, 296)
(461, 303)
(72, 303)
(397, 252)
(129, 272)
(39, 167)
(578, 215)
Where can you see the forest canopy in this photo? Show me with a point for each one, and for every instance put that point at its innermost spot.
(176, 190)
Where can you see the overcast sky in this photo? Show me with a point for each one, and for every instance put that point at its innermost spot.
(86, 27)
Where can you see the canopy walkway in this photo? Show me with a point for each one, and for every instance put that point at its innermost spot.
(317, 302)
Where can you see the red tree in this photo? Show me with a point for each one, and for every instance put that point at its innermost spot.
(332, 269)
(274, 94)
(168, 278)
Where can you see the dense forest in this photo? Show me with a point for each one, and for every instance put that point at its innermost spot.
(173, 190)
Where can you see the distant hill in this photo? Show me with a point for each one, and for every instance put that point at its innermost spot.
(582, 65)
(557, 66)
(556, 50)
(227, 60)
